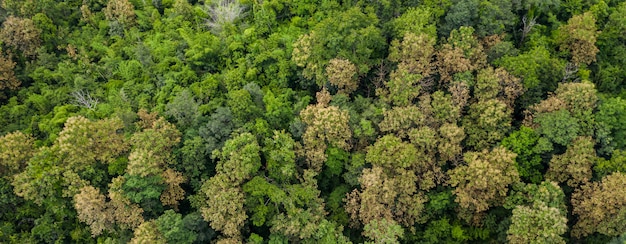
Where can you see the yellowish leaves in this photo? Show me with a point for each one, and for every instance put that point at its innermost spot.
(121, 11)
(302, 49)
(462, 52)
(148, 232)
(601, 207)
(537, 224)
(400, 119)
(144, 163)
(224, 206)
(484, 181)
(574, 166)
(91, 208)
(16, 149)
(326, 126)
(7, 75)
(21, 34)
(84, 142)
(498, 84)
(385, 197)
(146, 120)
(173, 193)
(343, 74)
(414, 54)
(126, 214)
(579, 36)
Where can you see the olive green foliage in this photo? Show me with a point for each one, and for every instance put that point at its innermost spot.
(274, 121)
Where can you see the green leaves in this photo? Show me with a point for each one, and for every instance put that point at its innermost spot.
(524, 143)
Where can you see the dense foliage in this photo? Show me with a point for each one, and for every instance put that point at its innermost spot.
(291, 121)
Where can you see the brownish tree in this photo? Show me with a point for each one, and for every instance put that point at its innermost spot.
(121, 11)
(343, 74)
(578, 37)
(484, 181)
(21, 34)
(601, 207)
(326, 126)
(7, 75)
(574, 166)
(15, 150)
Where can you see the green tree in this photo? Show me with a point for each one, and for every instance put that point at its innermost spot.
(350, 35)
(525, 142)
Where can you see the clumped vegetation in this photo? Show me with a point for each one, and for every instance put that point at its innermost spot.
(288, 121)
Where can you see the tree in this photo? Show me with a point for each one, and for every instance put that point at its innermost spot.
(461, 53)
(184, 109)
(15, 150)
(350, 35)
(326, 126)
(415, 20)
(21, 34)
(611, 112)
(84, 142)
(386, 197)
(542, 219)
(121, 11)
(574, 166)
(172, 227)
(579, 38)
(484, 181)
(280, 156)
(342, 73)
(487, 122)
(400, 119)
(222, 13)
(148, 232)
(383, 231)
(7, 74)
(559, 126)
(414, 57)
(526, 143)
(497, 84)
(91, 207)
(600, 207)
(539, 224)
(222, 196)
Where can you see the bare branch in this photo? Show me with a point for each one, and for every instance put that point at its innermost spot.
(528, 26)
(221, 13)
(84, 99)
(570, 72)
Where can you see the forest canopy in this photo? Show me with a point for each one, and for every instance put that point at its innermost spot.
(291, 121)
